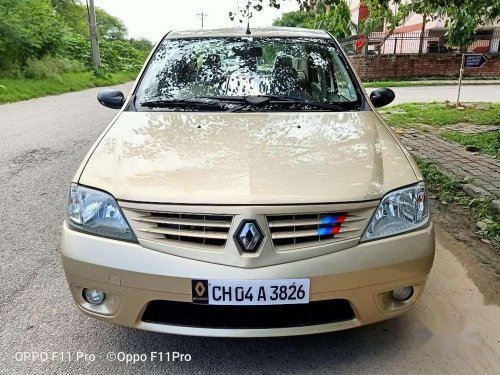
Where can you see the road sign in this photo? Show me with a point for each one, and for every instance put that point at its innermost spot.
(469, 61)
(474, 61)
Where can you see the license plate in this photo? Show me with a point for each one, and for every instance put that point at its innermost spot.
(251, 292)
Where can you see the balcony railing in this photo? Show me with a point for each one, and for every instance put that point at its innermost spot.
(432, 41)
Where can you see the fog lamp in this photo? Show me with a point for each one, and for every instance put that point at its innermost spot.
(402, 294)
(93, 296)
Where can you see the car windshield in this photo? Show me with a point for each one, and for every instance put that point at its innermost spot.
(307, 70)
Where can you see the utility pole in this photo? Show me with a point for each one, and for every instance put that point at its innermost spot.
(202, 15)
(94, 39)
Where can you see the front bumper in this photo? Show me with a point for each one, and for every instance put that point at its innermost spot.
(133, 277)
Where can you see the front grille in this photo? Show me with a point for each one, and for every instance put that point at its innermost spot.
(251, 317)
(205, 233)
(196, 230)
(293, 231)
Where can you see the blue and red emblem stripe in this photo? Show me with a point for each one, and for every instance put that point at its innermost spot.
(331, 224)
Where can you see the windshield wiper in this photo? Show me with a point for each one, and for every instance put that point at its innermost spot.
(237, 103)
(185, 103)
(322, 105)
(259, 101)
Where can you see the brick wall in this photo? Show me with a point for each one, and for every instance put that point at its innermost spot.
(384, 67)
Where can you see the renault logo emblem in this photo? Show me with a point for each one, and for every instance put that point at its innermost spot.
(249, 236)
(199, 289)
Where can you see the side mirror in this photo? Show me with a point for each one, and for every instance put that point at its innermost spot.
(382, 97)
(111, 98)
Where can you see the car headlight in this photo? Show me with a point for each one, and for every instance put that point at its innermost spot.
(400, 211)
(95, 212)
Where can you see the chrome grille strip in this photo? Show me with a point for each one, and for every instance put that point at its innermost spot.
(289, 232)
(198, 231)
(294, 223)
(186, 233)
(304, 233)
(197, 223)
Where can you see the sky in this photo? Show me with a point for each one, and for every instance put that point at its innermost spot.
(151, 19)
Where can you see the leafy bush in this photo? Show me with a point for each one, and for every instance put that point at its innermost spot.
(50, 67)
(116, 55)
(142, 44)
(32, 31)
(28, 29)
(78, 48)
(120, 55)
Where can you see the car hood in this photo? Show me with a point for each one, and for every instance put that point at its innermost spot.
(247, 158)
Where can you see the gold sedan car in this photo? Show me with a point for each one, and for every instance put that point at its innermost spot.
(247, 188)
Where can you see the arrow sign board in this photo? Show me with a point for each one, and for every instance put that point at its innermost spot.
(474, 61)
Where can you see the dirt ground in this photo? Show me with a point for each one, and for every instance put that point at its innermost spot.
(456, 226)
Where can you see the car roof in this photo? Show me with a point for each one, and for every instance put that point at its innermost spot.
(257, 32)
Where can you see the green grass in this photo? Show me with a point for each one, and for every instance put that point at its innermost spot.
(13, 90)
(449, 189)
(484, 211)
(488, 143)
(440, 114)
(446, 189)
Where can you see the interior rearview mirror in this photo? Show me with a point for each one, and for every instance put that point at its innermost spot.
(248, 52)
(111, 98)
(382, 97)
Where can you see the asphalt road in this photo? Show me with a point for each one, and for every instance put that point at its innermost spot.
(42, 143)
(469, 93)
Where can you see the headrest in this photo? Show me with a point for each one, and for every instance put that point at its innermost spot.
(283, 61)
(212, 59)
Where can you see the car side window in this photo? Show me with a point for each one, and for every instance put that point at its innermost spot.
(344, 89)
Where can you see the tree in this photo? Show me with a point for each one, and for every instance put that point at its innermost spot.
(110, 27)
(380, 12)
(74, 15)
(142, 44)
(337, 20)
(37, 35)
(295, 19)
(246, 12)
(427, 11)
(28, 29)
(463, 16)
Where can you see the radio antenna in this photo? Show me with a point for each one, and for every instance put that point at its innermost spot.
(249, 14)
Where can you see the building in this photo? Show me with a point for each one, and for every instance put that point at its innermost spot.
(408, 37)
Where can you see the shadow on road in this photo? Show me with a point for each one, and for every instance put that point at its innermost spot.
(287, 354)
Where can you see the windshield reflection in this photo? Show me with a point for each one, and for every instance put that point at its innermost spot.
(307, 69)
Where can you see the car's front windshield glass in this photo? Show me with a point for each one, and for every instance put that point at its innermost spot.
(306, 69)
